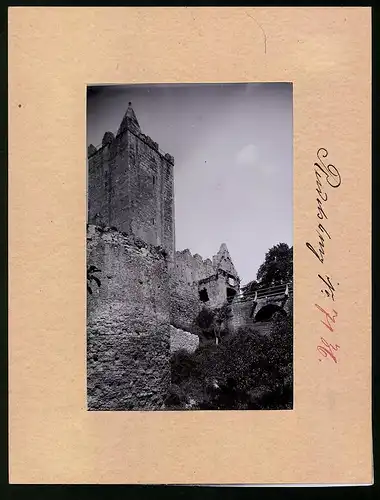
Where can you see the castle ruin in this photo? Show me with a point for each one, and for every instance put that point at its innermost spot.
(150, 294)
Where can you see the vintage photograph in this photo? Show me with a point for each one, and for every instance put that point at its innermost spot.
(190, 247)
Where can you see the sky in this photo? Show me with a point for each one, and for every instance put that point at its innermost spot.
(233, 151)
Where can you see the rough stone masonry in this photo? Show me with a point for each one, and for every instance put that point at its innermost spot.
(128, 336)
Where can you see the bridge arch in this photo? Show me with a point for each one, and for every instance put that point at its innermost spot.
(267, 312)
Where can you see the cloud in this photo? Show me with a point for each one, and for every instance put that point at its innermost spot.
(247, 156)
(248, 159)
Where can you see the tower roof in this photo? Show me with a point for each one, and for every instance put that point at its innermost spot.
(222, 260)
(129, 120)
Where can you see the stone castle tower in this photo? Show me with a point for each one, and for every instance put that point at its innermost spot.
(131, 185)
(223, 283)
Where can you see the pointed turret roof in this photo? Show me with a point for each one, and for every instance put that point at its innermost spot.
(222, 260)
(129, 120)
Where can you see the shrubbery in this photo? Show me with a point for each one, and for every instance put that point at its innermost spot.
(211, 324)
(246, 371)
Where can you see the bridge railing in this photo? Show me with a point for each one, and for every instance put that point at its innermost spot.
(268, 292)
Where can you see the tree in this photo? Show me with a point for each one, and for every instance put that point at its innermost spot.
(222, 316)
(277, 269)
(205, 321)
(212, 324)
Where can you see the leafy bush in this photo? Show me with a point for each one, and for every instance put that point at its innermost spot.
(246, 371)
(175, 399)
(91, 270)
(183, 365)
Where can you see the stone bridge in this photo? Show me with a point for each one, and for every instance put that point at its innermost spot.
(258, 308)
(268, 301)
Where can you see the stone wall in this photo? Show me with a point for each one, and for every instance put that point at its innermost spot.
(181, 340)
(185, 302)
(240, 315)
(128, 337)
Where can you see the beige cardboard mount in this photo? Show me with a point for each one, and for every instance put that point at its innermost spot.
(53, 54)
